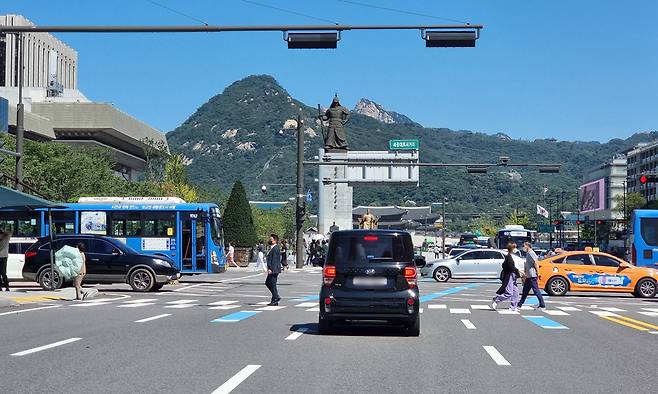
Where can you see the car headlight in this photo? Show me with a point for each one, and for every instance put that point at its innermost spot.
(162, 262)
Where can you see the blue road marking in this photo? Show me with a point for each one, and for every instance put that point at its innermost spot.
(429, 297)
(533, 300)
(545, 322)
(308, 298)
(235, 317)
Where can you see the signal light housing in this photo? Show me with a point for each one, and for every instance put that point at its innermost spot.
(317, 40)
(648, 178)
(450, 39)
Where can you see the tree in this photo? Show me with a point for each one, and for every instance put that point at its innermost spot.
(239, 226)
(633, 201)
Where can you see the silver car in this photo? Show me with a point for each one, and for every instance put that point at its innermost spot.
(477, 263)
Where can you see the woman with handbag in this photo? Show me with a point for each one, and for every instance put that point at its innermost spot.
(508, 289)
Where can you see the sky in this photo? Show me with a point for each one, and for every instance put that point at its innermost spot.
(572, 70)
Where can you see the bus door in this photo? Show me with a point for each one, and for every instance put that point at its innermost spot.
(193, 243)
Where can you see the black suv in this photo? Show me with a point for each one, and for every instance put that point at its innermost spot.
(107, 261)
(370, 275)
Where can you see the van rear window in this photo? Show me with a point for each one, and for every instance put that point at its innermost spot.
(354, 249)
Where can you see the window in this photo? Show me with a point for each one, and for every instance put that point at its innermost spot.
(143, 224)
(578, 259)
(606, 261)
(649, 230)
(64, 222)
(357, 249)
(101, 247)
(21, 224)
(492, 254)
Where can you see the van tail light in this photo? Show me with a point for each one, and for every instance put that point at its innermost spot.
(410, 276)
(30, 253)
(328, 275)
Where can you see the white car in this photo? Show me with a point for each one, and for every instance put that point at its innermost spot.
(477, 263)
(16, 258)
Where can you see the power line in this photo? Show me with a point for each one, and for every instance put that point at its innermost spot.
(288, 11)
(176, 11)
(401, 11)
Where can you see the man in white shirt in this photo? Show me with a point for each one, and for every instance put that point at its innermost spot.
(5, 236)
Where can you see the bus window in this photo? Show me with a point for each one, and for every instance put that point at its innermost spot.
(134, 225)
(200, 245)
(118, 227)
(64, 222)
(649, 230)
(21, 224)
(158, 224)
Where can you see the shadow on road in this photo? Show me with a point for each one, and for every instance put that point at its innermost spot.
(356, 329)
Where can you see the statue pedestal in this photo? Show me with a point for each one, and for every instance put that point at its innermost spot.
(334, 198)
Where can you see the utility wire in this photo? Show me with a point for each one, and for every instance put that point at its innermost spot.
(401, 11)
(289, 11)
(176, 11)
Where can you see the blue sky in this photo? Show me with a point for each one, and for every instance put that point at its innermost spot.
(573, 70)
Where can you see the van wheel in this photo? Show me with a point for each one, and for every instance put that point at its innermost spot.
(325, 326)
(44, 279)
(413, 329)
(645, 288)
(557, 286)
(141, 280)
(441, 274)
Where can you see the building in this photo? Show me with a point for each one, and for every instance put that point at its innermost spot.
(395, 217)
(601, 184)
(643, 159)
(56, 110)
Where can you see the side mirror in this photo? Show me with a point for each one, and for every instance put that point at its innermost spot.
(624, 265)
(116, 252)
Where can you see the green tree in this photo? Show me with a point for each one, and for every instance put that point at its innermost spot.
(633, 201)
(239, 228)
(269, 221)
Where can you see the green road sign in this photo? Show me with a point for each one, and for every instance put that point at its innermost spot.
(403, 144)
(546, 228)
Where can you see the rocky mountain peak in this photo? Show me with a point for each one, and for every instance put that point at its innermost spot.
(376, 111)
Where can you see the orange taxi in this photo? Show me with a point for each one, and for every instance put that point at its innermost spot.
(595, 271)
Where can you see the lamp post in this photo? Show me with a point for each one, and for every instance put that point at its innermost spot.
(20, 118)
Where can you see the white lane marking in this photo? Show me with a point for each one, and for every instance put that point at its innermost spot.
(153, 318)
(495, 355)
(652, 314)
(650, 309)
(235, 381)
(188, 287)
(460, 310)
(263, 303)
(29, 310)
(508, 312)
(137, 305)
(610, 309)
(556, 313)
(481, 307)
(653, 332)
(306, 304)
(225, 302)
(468, 324)
(527, 308)
(99, 300)
(240, 278)
(141, 300)
(178, 302)
(420, 310)
(437, 306)
(296, 334)
(181, 306)
(224, 307)
(604, 313)
(271, 308)
(315, 309)
(91, 303)
(45, 347)
(568, 308)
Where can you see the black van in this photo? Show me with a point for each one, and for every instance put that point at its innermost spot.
(107, 261)
(370, 275)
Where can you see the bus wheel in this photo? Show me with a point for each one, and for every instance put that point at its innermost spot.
(44, 279)
(141, 280)
(646, 288)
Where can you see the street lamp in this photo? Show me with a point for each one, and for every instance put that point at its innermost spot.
(443, 226)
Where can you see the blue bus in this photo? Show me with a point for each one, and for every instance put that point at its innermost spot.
(644, 237)
(191, 234)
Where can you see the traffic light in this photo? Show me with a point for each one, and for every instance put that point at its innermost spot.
(579, 222)
(557, 222)
(648, 178)
(599, 222)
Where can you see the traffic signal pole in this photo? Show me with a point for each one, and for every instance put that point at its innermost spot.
(300, 208)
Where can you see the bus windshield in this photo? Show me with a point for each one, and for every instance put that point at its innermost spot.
(649, 230)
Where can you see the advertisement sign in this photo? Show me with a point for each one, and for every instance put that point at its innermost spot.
(92, 222)
(592, 196)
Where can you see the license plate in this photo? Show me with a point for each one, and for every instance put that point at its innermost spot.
(369, 281)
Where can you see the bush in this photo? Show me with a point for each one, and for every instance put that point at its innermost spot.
(239, 226)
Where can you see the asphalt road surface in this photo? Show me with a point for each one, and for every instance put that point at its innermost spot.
(213, 333)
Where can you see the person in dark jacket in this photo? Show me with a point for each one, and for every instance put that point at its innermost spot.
(508, 289)
(273, 269)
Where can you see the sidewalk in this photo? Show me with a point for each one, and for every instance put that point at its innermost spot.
(31, 293)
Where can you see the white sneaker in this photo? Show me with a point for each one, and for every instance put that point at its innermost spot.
(494, 304)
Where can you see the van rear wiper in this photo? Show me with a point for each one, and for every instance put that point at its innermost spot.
(380, 258)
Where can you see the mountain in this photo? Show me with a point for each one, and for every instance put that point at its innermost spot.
(248, 133)
(372, 109)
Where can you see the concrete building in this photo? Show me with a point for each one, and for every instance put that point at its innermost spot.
(643, 159)
(56, 110)
(613, 174)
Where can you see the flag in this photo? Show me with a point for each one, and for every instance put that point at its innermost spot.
(542, 211)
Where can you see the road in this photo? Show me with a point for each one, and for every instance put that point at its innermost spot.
(213, 333)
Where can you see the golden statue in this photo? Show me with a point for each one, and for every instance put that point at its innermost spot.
(368, 221)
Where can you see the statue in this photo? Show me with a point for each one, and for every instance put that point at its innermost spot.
(368, 221)
(337, 116)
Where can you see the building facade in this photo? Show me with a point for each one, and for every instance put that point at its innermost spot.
(613, 173)
(643, 159)
(56, 110)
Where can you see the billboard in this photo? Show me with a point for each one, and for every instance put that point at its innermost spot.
(592, 196)
(4, 115)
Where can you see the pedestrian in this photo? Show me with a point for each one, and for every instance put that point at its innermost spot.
(273, 269)
(531, 268)
(77, 282)
(5, 237)
(284, 254)
(437, 251)
(508, 289)
(260, 258)
(230, 256)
